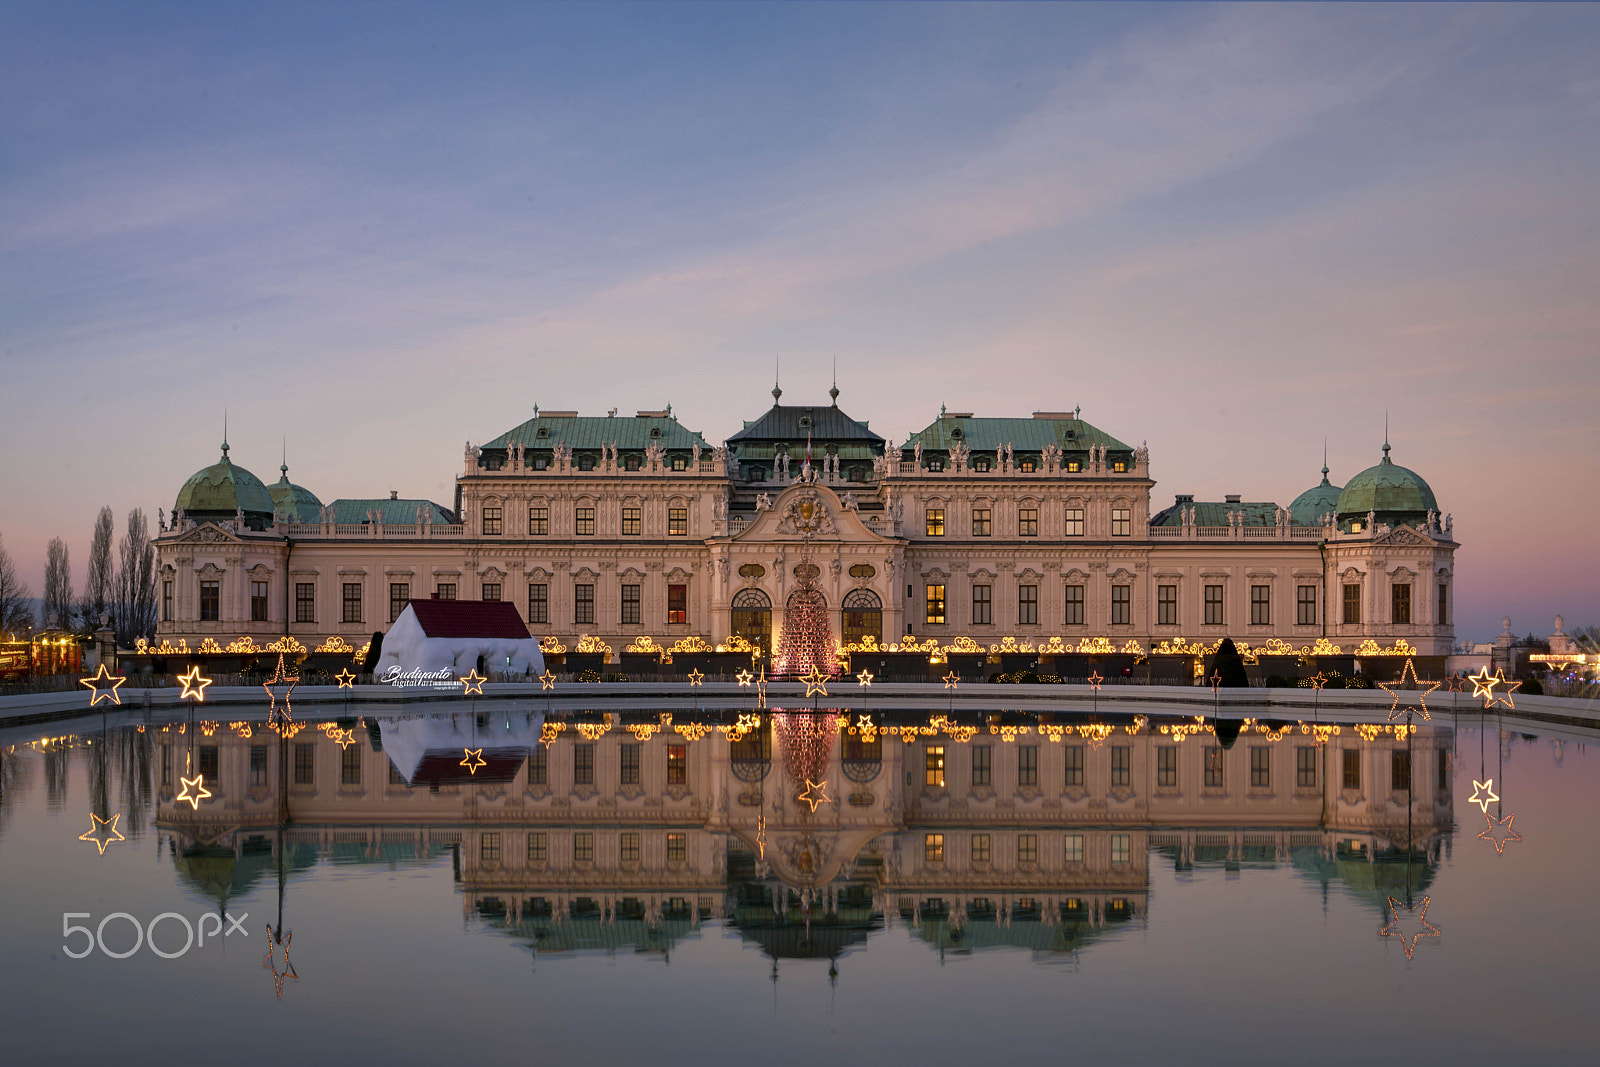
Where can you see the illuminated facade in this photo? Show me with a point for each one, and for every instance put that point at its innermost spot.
(986, 528)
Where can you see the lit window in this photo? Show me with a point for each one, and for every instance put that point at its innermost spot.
(677, 765)
(935, 522)
(1352, 768)
(933, 767)
(1120, 466)
(680, 463)
(677, 522)
(677, 848)
(935, 605)
(677, 604)
(933, 848)
(1027, 466)
(632, 522)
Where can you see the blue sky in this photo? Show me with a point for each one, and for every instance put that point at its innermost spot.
(384, 229)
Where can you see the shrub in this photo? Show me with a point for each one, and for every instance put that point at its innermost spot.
(589, 675)
(1277, 681)
(1531, 688)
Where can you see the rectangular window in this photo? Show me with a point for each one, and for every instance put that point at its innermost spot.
(1260, 767)
(539, 522)
(583, 847)
(630, 764)
(1121, 522)
(1074, 763)
(980, 848)
(677, 765)
(1074, 612)
(1352, 768)
(1400, 604)
(630, 605)
(399, 594)
(1027, 848)
(1074, 526)
(1121, 605)
(352, 602)
(677, 848)
(305, 764)
(1400, 771)
(1027, 605)
(934, 522)
(491, 522)
(491, 590)
(1027, 522)
(936, 605)
(1121, 765)
(1305, 767)
(166, 765)
(1072, 848)
(1352, 605)
(981, 526)
(258, 601)
(677, 604)
(1121, 848)
(489, 846)
(305, 602)
(1214, 612)
(258, 764)
(350, 765)
(538, 847)
(1166, 605)
(583, 764)
(1028, 765)
(1213, 767)
(933, 848)
(1305, 611)
(583, 521)
(982, 605)
(677, 522)
(538, 602)
(210, 601)
(628, 846)
(1167, 766)
(166, 601)
(583, 604)
(981, 767)
(933, 767)
(208, 763)
(1443, 616)
(539, 765)
(632, 522)
(444, 591)
(1261, 605)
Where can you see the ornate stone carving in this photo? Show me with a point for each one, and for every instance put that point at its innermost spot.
(806, 514)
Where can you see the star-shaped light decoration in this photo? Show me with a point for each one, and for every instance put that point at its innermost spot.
(744, 678)
(1456, 683)
(547, 680)
(1318, 680)
(1504, 699)
(472, 683)
(1483, 794)
(200, 792)
(279, 687)
(696, 677)
(761, 688)
(815, 794)
(951, 679)
(342, 738)
(1408, 924)
(865, 678)
(346, 679)
(1394, 690)
(1483, 685)
(473, 760)
(268, 961)
(816, 682)
(102, 832)
(1216, 682)
(864, 723)
(1499, 833)
(194, 686)
(104, 684)
(1094, 680)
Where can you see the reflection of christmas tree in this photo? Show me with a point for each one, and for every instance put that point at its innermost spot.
(807, 740)
(807, 640)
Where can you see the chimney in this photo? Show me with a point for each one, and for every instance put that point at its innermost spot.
(1184, 498)
(1231, 498)
(394, 494)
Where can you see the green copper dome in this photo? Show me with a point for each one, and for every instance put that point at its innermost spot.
(1396, 494)
(1310, 506)
(215, 493)
(295, 503)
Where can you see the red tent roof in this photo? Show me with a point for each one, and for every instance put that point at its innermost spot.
(470, 618)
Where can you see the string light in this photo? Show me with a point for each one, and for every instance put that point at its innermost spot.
(472, 683)
(744, 677)
(592, 731)
(1483, 685)
(473, 759)
(284, 682)
(551, 646)
(865, 678)
(194, 686)
(1392, 688)
(1504, 699)
(288, 968)
(1094, 681)
(1483, 794)
(550, 731)
(547, 680)
(1318, 680)
(816, 683)
(243, 729)
(692, 731)
(696, 677)
(197, 783)
(1216, 682)
(1499, 833)
(815, 794)
(346, 679)
(1413, 922)
(103, 832)
(105, 686)
(951, 679)
(335, 645)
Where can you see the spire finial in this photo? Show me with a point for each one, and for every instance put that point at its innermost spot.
(284, 466)
(777, 393)
(1324, 461)
(834, 392)
(224, 433)
(1386, 435)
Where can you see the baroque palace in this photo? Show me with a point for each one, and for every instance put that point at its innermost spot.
(638, 531)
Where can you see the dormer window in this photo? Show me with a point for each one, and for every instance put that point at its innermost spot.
(957, 433)
(493, 463)
(805, 422)
(632, 463)
(586, 463)
(1120, 466)
(1026, 466)
(1073, 466)
(981, 465)
(541, 463)
(936, 464)
(679, 463)
(655, 431)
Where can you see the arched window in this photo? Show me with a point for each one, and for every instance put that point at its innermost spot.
(752, 618)
(863, 616)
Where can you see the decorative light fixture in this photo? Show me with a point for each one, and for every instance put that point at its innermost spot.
(280, 685)
(346, 679)
(194, 686)
(1504, 699)
(473, 760)
(1483, 685)
(1413, 923)
(865, 678)
(1483, 794)
(951, 679)
(1392, 688)
(1318, 680)
(105, 686)
(472, 683)
(815, 794)
(288, 968)
(1094, 680)
(696, 677)
(197, 783)
(1499, 832)
(744, 677)
(102, 832)
(816, 682)
(547, 680)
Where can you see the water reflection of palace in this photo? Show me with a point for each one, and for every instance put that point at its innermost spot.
(612, 836)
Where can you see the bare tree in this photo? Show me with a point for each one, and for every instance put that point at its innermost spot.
(133, 612)
(16, 606)
(97, 586)
(58, 606)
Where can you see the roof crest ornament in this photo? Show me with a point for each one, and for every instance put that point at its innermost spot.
(777, 393)
(834, 392)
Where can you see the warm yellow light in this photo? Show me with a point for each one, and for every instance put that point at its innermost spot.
(1499, 833)
(103, 832)
(346, 679)
(1483, 794)
(816, 682)
(547, 680)
(744, 677)
(194, 686)
(951, 680)
(1391, 689)
(473, 759)
(200, 792)
(472, 683)
(696, 677)
(105, 686)
(865, 678)
(815, 794)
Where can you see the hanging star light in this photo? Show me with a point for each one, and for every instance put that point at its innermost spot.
(346, 679)
(194, 686)
(102, 832)
(104, 684)
(744, 677)
(1483, 794)
(865, 678)
(1216, 682)
(816, 682)
(815, 794)
(1406, 921)
(1393, 689)
(1504, 699)
(280, 686)
(1483, 685)
(1456, 683)
(1094, 681)
(1499, 833)
(951, 680)
(197, 783)
(472, 683)
(473, 760)
(696, 677)
(1318, 681)
(547, 680)
(288, 968)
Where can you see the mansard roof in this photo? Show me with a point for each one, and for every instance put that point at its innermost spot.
(1215, 513)
(394, 511)
(1064, 430)
(786, 422)
(546, 430)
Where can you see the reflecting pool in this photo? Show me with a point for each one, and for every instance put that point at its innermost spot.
(796, 886)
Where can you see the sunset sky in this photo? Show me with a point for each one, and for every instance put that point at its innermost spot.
(381, 230)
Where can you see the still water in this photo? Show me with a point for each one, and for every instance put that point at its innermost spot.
(637, 891)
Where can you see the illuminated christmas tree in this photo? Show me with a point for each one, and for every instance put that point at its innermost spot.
(807, 640)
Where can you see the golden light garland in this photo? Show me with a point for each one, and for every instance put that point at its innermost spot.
(103, 832)
(739, 643)
(335, 644)
(589, 644)
(243, 729)
(472, 683)
(692, 731)
(1095, 733)
(209, 647)
(691, 645)
(592, 731)
(645, 645)
(1483, 794)
(288, 968)
(103, 691)
(194, 686)
(642, 731)
(550, 731)
(551, 646)
(208, 728)
(360, 654)
(473, 759)
(286, 645)
(1499, 833)
(1393, 690)
(1319, 732)
(1054, 732)
(1369, 647)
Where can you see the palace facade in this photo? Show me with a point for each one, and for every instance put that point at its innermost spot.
(626, 528)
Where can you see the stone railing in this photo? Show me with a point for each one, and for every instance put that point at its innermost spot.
(308, 531)
(1240, 533)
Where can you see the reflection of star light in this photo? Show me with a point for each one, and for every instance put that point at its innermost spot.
(280, 686)
(695, 677)
(104, 685)
(815, 794)
(472, 683)
(1499, 833)
(343, 738)
(102, 832)
(197, 783)
(1408, 924)
(1482, 794)
(194, 686)
(547, 680)
(1393, 689)
(816, 682)
(473, 760)
(744, 678)
(346, 679)
(288, 968)
(761, 835)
